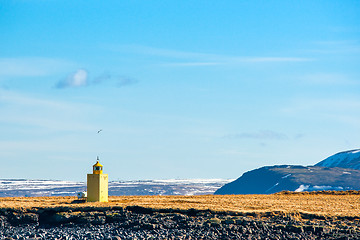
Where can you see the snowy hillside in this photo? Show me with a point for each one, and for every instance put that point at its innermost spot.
(274, 179)
(347, 159)
(23, 187)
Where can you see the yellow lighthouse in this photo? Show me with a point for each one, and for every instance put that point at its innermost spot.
(97, 184)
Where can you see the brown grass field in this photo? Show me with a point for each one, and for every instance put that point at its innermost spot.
(326, 205)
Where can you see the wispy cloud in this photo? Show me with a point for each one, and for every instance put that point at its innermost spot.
(191, 64)
(317, 105)
(327, 79)
(262, 135)
(101, 78)
(32, 66)
(15, 99)
(120, 81)
(339, 110)
(336, 47)
(80, 78)
(34, 113)
(271, 59)
(125, 81)
(170, 57)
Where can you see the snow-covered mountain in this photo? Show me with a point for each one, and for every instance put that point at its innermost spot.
(24, 187)
(346, 159)
(340, 171)
(274, 179)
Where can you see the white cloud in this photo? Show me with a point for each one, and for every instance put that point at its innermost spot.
(79, 78)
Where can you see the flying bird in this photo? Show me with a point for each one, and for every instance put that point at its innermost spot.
(99, 131)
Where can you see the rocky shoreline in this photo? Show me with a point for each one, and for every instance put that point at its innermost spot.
(135, 222)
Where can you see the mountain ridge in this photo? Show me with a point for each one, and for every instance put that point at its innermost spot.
(340, 171)
(344, 159)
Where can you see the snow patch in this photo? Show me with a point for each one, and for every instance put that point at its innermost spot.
(309, 188)
(286, 176)
(271, 187)
(302, 188)
(319, 188)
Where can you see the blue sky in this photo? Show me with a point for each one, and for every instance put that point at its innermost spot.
(181, 89)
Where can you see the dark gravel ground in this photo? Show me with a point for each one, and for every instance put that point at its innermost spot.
(138, 223)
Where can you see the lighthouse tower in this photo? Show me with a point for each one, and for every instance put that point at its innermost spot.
(97, 184)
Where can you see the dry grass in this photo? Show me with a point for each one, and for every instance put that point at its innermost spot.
(318, 204)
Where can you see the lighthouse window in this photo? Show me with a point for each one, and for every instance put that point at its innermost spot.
(97, 168)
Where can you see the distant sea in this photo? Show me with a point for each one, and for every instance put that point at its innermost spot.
(37, 188)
